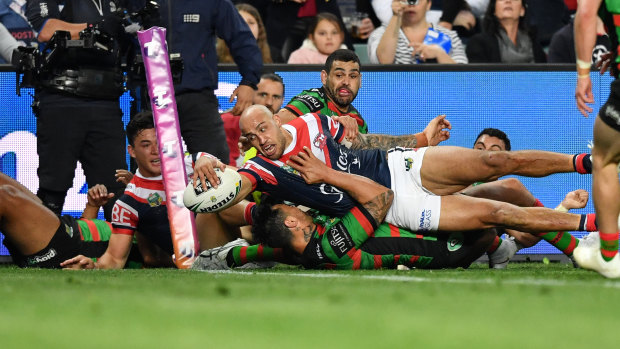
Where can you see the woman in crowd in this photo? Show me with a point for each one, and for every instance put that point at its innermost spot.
(402, 40)
(253, 19)
(505, 37)
(325, 35)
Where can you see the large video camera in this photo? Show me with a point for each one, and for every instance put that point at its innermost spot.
(52, 69)
(34, 64)
(146, 17)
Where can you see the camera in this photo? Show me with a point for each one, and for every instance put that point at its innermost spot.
(410, 2)
(147, 16)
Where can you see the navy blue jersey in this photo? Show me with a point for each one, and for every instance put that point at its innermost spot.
(142, 207)
(322, 135)
(192, 30)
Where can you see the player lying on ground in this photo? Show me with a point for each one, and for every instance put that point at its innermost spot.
(431, 250)
(417, 184)
(355, 241)
(36, 237)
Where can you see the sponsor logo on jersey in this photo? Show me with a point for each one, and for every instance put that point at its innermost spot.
(339, 239)
(408, 164)
(69, 230)
(319, 141)
(455, 241)
(289, 169)
(329, 190)
(612, 113)
(154, 200)
(311, 102)
(319, 253)
(346, 160)
(51, 253)
(191, 18)
(425, 220)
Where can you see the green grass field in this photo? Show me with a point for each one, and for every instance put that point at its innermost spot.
(529, 305)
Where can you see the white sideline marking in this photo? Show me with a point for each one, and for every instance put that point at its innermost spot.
(528, 282)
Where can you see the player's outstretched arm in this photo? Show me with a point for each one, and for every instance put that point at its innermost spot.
(114, 257)
(375, 198)
(435, 132)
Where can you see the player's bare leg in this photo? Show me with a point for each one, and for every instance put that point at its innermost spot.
(460, 212)
(606, 192)
(447, 170)
(213, 231)
(23, 219)
(508, 190)
(216, 229)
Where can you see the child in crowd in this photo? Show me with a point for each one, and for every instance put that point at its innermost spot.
(253, 19)
(325, 36)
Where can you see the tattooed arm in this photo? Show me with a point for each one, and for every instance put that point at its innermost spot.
(374, 197)
(435, 132)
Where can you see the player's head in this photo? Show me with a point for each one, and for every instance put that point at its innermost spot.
(143, 144)
(492, 139)
(263, 131)
(341, 77)
(270, 92)
(280, 225)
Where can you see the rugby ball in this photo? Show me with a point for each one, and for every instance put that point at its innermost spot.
(210, 199)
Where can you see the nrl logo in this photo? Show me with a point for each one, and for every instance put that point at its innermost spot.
(154, 200)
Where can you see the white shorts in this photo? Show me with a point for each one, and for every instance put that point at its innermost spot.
(414, 207)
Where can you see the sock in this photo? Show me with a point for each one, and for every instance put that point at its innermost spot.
(583, 163)
(562, 240)
(239, 255)
(495, 245)
(588, 222)
(609, 245)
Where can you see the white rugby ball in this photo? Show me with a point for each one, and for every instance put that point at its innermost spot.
(212, 199)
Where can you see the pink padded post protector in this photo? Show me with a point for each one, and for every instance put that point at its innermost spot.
(161, 91)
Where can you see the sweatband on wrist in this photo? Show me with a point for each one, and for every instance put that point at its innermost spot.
(583, 64)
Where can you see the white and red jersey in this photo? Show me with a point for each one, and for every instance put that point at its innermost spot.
(142, 207)
(322, 135)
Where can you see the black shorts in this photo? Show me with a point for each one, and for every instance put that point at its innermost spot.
(610, 112)
(64, 244)
(449, 250)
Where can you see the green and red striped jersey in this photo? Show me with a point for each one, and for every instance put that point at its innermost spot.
(336, 244)
(316, 101)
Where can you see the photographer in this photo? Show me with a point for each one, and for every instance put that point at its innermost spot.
(76, 98)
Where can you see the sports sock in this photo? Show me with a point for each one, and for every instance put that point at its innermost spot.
(583, 163)
(609, 245)
(239, 255)
(588, 222)
(562, 240)
(495, 245)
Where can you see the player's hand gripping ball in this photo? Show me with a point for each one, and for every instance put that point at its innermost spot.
(212, 199)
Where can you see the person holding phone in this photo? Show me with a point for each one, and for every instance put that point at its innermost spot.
(409, 39)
